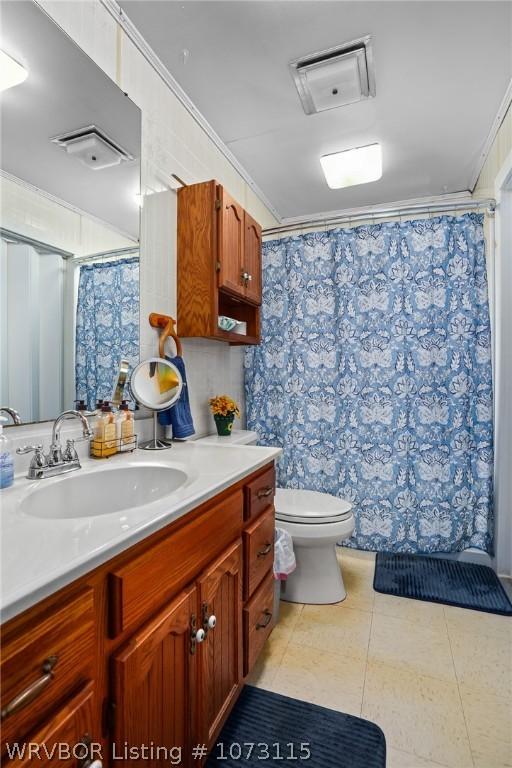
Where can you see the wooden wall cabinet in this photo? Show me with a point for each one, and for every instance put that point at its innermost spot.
(130, 668)
(219, 264)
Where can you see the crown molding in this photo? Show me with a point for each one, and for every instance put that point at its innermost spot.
(113, 7)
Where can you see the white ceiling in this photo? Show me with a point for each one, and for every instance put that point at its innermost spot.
(65, 90)
(442, 69)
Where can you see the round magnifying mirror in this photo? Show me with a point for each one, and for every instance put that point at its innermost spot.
(156, 383)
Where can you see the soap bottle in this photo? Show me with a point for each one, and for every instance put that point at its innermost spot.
(125, 430)
(109, 434)
(104, 442)
(6, 460)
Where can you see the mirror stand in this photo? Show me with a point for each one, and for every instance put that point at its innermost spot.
(156, 383)
(156, 443)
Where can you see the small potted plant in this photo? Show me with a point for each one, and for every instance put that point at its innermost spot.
(224, 410)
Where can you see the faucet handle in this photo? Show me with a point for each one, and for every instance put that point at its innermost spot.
(29, 449)
(70, 453)
(39, 460)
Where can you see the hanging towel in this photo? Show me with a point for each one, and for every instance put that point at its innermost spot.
(179, 416)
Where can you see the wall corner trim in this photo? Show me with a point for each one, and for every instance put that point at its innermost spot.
(493, 132)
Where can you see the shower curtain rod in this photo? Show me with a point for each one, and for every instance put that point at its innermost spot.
(13, 237)
(105, 255)
(384, 213)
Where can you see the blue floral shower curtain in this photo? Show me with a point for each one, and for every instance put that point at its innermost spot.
(107, 326)
(374, 376)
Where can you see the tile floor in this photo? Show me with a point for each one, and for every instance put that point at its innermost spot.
(436, 679)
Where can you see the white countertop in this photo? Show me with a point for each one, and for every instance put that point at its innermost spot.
(41, 555)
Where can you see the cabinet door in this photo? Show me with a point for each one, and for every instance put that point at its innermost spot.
(153, 685)
(220, 665)
(231, 244)
(66, 739)
(252, 259)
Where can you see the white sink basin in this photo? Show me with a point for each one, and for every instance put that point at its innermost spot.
(89, 494)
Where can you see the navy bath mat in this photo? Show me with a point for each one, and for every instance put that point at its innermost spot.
(438, 580)
(294, 732)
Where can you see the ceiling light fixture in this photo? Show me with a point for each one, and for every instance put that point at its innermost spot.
(353, 166)
(11, 73)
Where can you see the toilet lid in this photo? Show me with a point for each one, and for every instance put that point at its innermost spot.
(298, 506)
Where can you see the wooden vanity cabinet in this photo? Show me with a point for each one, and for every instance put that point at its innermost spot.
(153, 681)
(221, 654)
(65, 740)
(44, 662)
(219, 264)
(131, 667)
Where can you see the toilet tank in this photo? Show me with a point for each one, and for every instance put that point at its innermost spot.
(237, 437)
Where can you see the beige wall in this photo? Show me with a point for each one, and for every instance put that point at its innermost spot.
(500, 149)
(493, 175)
(172, 142)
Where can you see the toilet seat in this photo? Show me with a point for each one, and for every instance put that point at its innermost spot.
(310, 507)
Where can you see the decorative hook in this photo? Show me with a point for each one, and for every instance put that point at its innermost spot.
(168, 326)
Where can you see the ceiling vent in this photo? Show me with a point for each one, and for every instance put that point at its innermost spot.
(93, 148)
(338, 76)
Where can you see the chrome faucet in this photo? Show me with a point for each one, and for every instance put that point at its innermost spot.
(56, 455)
(12, 413)
(57, 462)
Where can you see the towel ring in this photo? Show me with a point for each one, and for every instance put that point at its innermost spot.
(168, 326)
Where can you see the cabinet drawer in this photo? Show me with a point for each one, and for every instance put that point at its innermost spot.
(43, 662)
(258, 550)
(147, 582)
(259, 493)
(258, 622)
(70, 728)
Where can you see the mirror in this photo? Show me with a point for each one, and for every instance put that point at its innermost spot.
(156, 383)
(69, 226)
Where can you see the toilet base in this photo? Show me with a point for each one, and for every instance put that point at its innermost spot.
(317, 580)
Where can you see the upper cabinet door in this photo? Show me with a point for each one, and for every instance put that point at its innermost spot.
(220, 667)
(153, 683)
(252, 259)
(231, 244)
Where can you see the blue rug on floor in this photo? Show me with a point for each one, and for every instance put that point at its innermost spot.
(294, 733)
(438, 580)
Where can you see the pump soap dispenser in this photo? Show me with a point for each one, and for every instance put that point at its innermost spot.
(6, 459)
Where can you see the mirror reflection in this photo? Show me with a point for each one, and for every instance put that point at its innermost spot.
(69, 228)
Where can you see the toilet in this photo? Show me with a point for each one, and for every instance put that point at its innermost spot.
(316, 522)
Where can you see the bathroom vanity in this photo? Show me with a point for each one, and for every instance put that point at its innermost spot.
(156, 615)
